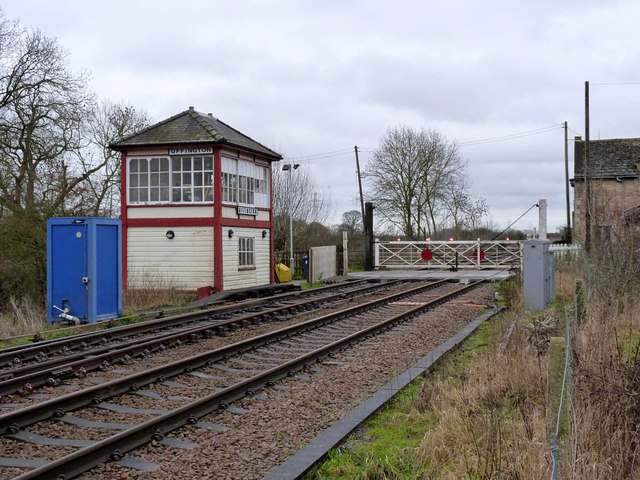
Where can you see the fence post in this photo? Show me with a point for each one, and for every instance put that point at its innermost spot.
(377, 252)
(345, 253)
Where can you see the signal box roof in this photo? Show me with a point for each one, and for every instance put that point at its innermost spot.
(191, 127)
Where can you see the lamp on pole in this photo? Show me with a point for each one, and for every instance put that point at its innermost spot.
(290, 167)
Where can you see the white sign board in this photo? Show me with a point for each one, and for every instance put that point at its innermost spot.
(190, 151)
(247, 211)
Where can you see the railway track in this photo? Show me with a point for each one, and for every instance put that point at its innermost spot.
(223, 375)
(29, 367)
(42, 349)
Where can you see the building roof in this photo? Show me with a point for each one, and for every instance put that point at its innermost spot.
(192, 127)
(618, 157)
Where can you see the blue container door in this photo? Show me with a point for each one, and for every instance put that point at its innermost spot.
(69, 250)
(107, 271)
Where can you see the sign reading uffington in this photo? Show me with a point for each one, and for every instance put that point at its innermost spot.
(190, 151)
(247, 211)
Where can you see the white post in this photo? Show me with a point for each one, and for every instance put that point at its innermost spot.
(376, 250)
(345, 253)
(542, 219)
(478, 254)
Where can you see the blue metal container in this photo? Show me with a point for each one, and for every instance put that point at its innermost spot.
(84, 269)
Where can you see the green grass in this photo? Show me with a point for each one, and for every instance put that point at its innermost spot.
(384, 448)
(356, 269)
(509, 291)
(462, 357)
(308, 286)
(630, 347)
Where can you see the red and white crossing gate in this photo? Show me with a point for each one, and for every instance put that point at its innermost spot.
(453, 254)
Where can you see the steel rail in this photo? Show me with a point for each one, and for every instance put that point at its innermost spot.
(30, 352)
(19, 418)
(52, 371)
(115, 446)
(82, 340)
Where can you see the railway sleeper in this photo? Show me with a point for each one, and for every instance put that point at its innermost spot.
(221, 330)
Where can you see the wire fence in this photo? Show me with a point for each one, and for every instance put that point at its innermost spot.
(566, 397)
(566, 385)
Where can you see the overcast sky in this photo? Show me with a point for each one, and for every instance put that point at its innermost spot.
(310, 77)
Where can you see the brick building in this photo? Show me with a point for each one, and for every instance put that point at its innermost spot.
(615, 184)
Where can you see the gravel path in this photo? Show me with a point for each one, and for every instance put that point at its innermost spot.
(264, 430)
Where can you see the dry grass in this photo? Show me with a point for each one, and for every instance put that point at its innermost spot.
(606, 369)
(151, 290)
(147, 299)
(25, 316)
(492, 420)
(607, 392)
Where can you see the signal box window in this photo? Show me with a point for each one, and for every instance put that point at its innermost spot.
(175, 180)
(148, 180)
(246, 252)
(245, 183)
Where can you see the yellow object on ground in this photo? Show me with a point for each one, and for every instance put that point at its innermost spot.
(283, 273)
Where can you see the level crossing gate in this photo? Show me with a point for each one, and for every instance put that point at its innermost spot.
(503, 254)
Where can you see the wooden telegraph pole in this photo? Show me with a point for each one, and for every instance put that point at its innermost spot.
(587, 173)
(566, 182)
(360, 187)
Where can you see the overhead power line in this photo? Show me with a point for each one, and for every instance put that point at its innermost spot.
(320, 155)
(614, 83)
(504, 138)
(512, 136)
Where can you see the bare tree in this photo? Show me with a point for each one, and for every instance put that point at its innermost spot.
(352, 221)
(43, 109)
(109, 122)
(477, 211)
(41, 126)
(295, 193)
(409, 175)
(441, 167)
(462, 208)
